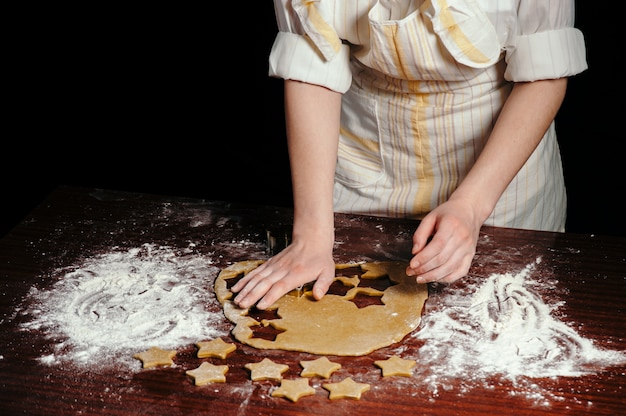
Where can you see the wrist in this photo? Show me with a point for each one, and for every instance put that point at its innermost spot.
(481, 208)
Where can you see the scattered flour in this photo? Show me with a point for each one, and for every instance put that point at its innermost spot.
(112, 305)
(117, 303)
(500, 327)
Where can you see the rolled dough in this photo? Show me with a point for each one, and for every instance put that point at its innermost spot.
(333, 325)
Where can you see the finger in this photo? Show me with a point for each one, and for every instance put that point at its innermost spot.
(258, 287)
(320, 287)
(434, 255)
(435, 275)
(247, 277)
(447, 272)
(423, 232)
(275, 292)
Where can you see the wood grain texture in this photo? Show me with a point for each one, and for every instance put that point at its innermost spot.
(73, 223)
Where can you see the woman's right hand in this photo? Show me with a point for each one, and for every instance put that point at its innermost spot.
(299, 263)
(312, 115)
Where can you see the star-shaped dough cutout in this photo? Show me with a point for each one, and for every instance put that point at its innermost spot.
(208, 373)
(215, 348)
(322, 367)
(396, 366)
(347, 388)
(293, 389)
(266, 369)
(156, 357)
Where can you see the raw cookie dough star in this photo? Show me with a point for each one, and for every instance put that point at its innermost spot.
(156, 357)
(321, 367)
(208, 373)
(294, 389)
(215, 348)
(347, 388)
(396, 366)
(266, 369)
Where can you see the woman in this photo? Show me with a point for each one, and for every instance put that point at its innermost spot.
(440, 110)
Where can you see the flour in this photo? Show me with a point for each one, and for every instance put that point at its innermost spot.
(112, 305)
(501, 327)
(99, 313)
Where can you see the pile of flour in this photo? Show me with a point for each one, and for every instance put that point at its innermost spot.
(125, 301)
(500, 326)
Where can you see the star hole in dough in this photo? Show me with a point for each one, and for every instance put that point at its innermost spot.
(344, 283)
(264, 330)
(208, 373)
(333, 325)
(156, 357)
(396, 366)
(346, 389)
(293, 389)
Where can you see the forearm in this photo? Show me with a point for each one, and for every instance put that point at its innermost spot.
(524, 119)
(312, 124)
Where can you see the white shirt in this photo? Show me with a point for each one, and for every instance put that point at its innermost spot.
(423, 82)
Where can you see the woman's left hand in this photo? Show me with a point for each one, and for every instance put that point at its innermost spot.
(444, 243)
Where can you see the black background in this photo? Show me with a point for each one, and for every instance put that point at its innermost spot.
(178, 102)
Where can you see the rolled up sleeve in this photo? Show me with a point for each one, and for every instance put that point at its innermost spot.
(307, 47)
(546, 55)
(295, 57)
(545, 44)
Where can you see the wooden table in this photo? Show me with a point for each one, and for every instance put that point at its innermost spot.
(588, 275)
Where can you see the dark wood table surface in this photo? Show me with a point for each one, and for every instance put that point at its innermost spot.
(587, 275)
